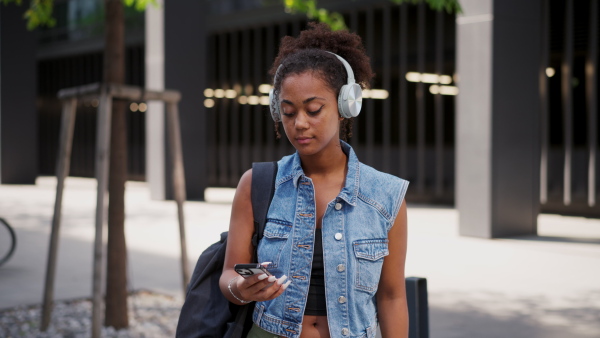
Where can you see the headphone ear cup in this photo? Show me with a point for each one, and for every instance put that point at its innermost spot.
(350, 100)
(274, 107)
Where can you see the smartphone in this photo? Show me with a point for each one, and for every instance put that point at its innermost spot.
(251, 269)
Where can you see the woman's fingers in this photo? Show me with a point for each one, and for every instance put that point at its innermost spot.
(252, 286)
(247, 287)
(281, 280)
(277, 288)
(254, 280)
(262, 287)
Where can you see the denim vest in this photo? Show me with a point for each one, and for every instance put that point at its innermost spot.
(354, 228)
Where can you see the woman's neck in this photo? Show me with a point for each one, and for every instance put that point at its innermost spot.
(325, 163)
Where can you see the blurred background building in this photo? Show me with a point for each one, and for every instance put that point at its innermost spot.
(217, 53)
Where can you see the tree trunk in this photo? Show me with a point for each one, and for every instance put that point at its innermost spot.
(114, 72)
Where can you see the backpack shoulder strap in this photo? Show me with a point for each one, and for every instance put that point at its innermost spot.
(263, 188)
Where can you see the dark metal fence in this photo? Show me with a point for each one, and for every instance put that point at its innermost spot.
(407, 124)
(568, 94)
(56, 74)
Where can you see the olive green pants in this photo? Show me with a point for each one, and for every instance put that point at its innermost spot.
(257, 332)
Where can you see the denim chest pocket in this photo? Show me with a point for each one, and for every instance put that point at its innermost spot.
(369, 255)
(274, 238)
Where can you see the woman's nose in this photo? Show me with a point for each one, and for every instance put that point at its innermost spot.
(301, 120)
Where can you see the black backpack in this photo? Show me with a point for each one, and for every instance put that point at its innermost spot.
(206, 313)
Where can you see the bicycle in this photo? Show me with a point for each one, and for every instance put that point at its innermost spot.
(8, 241)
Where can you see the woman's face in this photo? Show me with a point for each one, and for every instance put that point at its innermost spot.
(309, 113)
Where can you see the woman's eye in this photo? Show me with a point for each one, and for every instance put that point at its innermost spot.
(316, 111)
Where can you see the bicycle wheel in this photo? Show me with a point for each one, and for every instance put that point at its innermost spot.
(8, 241)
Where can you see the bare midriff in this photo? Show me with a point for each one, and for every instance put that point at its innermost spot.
(315, 327)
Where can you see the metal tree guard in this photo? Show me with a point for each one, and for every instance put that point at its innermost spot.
(106, 93)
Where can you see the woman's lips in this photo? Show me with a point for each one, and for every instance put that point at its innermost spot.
(303, 140)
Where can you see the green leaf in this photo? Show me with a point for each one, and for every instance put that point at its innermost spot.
(140, 5)
(39, 12)
(309, 7)
(6, 2)
(451, 6)
(336, 20)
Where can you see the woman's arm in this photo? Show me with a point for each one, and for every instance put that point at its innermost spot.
(391, 294)
(240, 250)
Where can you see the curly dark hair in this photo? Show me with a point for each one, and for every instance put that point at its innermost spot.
(309, 52)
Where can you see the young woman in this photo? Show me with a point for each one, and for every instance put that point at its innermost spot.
(335, 238)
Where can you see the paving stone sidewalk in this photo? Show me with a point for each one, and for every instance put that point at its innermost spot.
(537, 286)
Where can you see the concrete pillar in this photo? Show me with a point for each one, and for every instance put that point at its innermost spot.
(175, 57)
(155, 116)
(18, 88)
(497, 117)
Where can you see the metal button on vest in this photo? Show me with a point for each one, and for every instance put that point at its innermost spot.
(338, 236)
(338, 206)
(341, 268)
(345, 332)
(341, 299)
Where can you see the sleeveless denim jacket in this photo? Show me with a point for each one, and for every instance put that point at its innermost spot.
(354, 229)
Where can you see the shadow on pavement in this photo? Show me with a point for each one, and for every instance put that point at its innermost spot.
(518, 317)
(557, 239)
(22, 277)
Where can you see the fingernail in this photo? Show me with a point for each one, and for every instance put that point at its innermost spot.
(272, 279)
(281, 279)
(263, 276)
(265, 264)
(284, 286)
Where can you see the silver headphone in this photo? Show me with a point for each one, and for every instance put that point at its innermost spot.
(349, 100)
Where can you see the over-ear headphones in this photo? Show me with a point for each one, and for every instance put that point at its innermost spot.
(349, 100)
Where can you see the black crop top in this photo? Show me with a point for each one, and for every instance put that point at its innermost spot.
(315, 303)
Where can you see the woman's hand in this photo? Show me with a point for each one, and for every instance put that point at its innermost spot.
(259, 288)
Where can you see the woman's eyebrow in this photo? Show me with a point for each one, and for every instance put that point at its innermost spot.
(303, 102)
(312, 98)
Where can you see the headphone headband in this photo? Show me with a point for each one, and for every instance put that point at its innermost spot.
(347, 66)
(349, 99)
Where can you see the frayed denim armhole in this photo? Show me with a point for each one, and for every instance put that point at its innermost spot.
(399, 200)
